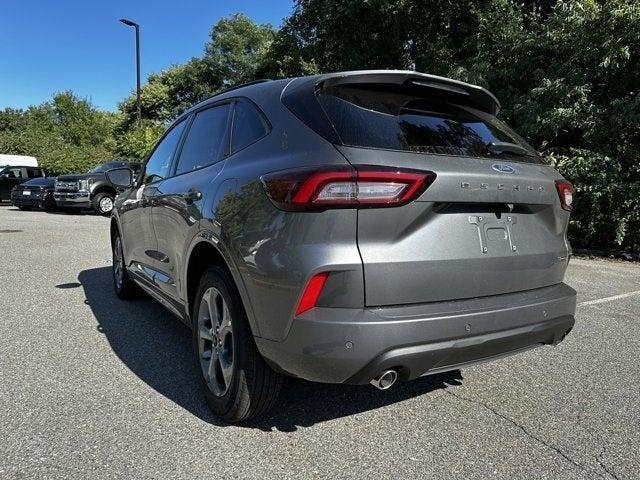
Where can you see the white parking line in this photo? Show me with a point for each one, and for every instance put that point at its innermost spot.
(609, 299)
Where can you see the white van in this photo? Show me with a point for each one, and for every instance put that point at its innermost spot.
(17, 160)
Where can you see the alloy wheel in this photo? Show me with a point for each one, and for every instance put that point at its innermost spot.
(215, 341)
(106, 204)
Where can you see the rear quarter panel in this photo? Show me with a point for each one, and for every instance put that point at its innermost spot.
(277, 252)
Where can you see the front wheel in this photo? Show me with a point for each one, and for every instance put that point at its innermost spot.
(103, 203)
(23, 208)
(238, 384)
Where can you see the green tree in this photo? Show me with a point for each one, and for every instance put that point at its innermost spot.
(67, 134)
(237, 48)
(138, 140)
(235, 51)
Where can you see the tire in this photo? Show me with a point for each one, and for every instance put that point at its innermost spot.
(125, 288)
(23, 208)
(102, 203)
(242, 385)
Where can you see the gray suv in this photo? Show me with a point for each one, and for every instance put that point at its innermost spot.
(356, 227)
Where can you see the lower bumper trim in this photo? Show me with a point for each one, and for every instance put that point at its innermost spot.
(419, 360)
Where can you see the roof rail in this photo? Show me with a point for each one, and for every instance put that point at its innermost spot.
(235, 87)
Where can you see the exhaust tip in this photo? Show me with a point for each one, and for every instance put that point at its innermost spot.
(385, 379)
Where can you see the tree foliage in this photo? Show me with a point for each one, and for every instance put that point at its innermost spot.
(67, 134)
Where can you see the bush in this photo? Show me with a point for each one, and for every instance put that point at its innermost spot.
(606, 212)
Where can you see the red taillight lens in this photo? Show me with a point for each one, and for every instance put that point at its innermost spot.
(312, 292)
(345, 187)
(565, 192)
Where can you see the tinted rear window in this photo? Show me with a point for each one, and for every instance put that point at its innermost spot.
(364, 117)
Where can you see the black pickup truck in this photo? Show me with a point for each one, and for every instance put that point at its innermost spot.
(91, 190)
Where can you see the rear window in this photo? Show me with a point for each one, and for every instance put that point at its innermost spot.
(365, 117)
(108, 166)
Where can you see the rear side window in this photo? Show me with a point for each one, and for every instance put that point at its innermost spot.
(249, 126)
(205, 141)
(364, 117)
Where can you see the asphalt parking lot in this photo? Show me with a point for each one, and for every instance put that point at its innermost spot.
(91, 387)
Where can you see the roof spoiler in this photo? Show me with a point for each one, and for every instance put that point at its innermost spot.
(467, 93)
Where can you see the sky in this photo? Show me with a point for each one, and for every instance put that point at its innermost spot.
(48, 46)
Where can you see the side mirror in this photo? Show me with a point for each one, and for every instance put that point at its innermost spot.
(5, 175)
(120, 177)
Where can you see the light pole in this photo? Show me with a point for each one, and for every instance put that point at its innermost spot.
(137, 27)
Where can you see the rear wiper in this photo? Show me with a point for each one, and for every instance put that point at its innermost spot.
(498, 148)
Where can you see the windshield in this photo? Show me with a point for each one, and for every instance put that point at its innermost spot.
(372, 118)
(108, 166)
(44, 182)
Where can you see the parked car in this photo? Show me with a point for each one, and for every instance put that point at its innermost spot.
(11, 176)
(37, 192)
(91, 190)
(355, 227)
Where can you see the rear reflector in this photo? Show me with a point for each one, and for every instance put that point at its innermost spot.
(360, 187)
(312, 292)
(565, 192)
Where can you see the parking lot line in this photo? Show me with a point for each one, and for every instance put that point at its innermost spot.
(609, 299)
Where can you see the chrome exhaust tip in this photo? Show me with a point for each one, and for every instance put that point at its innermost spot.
(385, 379)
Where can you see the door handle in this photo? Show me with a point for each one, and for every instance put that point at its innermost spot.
(192, 195)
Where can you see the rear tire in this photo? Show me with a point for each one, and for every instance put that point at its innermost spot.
(102, 204)
(125, 287)
(24, 209)
(239, 386)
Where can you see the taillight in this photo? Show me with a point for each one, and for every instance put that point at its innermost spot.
(312, 292)
(360, 187)
(565, 192)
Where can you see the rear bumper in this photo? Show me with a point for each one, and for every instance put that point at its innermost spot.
(337, 345)
(78, 200)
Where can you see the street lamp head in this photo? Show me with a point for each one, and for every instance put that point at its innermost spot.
(128, 22)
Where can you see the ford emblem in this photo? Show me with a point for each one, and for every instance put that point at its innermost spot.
(503, 168)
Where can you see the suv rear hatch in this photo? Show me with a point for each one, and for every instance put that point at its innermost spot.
(490, 223)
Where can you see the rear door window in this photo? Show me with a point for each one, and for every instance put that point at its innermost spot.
(366, 117)
(205, 140)
(249, 126)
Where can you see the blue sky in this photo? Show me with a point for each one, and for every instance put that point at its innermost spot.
(48, 46)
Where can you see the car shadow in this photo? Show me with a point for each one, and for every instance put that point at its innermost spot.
(157, 348)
